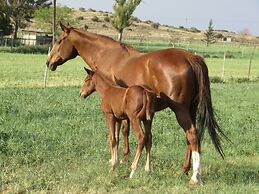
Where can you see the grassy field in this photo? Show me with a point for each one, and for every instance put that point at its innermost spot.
(52, 141)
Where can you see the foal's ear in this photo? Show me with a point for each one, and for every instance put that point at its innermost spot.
(88, 71)
(64, 28)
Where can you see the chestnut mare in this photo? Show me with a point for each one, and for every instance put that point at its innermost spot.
(134, 103)
(179, 78)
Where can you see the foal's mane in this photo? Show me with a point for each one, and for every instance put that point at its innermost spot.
(103, 38)
(105, 78)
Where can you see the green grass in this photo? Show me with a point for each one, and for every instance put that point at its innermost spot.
(52, 141)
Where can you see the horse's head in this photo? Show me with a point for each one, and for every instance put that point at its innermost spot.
(62, 50)
(88, 86)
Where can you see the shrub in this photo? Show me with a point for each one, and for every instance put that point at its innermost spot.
(206, 55)
(104, 26)
(107, 19)
(95, 19)
(80, 18)
(92, 10)
(155, 25)
(229, 55)
(239, 79)
(86, 27)
(195, 30)
(135, 19)
(82, 9)
(37, 49)
(216, 79)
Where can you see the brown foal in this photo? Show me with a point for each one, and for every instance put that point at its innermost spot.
(135, 103)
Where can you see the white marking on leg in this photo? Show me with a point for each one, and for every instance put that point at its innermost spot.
(147, 167)
(132, 173)
(196, 166)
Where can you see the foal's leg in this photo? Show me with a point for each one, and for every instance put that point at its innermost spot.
(125, 131)
(185, 121)
(148, 145)
(136, 125)
(117, 139)
(111, 121)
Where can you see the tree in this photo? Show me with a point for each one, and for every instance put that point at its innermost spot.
(210, 35)
(123, 10)
(21, 11)
(43, 17)
(5, 22)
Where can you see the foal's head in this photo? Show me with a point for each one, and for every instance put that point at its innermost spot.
(88, 86)
(62, 50)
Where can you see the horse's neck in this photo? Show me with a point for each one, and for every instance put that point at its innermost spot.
(102, 85)
(92, 48)
(85, 46)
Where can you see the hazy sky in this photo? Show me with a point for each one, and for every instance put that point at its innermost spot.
(232, 15)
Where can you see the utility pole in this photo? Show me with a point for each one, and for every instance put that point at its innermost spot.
(54, 3)
(54, 22)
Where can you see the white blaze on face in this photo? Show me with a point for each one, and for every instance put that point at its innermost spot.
(196, 166)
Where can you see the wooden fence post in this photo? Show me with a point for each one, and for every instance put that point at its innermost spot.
(223, 67)
(250, 63)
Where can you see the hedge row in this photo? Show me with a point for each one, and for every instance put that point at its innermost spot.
(39, 49)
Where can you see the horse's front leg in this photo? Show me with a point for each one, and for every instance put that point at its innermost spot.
(111, 121)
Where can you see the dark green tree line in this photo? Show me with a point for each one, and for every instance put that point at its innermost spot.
(19, 12)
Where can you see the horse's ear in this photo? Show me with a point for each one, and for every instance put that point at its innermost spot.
(88, 71)
(64, 28)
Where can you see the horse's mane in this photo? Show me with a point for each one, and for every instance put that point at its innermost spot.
(95, 37)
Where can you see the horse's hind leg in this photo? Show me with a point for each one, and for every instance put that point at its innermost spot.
(125, 131)
(148, 144)
(184, 119)
(187, 162)
(136, 125)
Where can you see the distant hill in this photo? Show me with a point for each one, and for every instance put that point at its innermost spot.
(98, 22)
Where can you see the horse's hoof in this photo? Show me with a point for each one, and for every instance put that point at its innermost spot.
(131, 174)
(195, 181)
(147, 169)
(186, 170)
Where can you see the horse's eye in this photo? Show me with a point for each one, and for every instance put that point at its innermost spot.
(59, 41)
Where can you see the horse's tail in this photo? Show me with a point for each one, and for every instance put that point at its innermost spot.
(205, 113)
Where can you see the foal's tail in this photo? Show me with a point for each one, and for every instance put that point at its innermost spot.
(206, 117)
